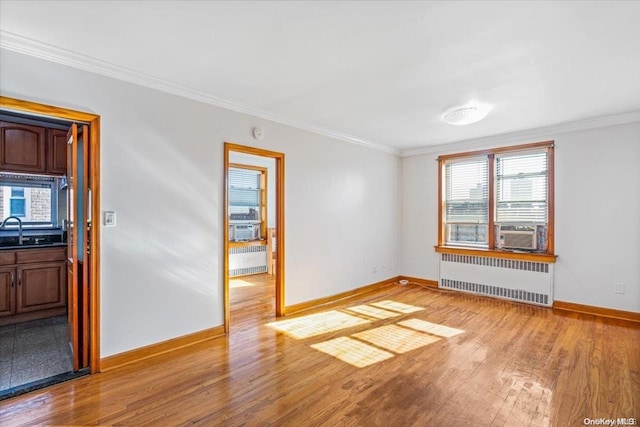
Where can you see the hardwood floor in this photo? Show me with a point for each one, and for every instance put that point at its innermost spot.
(460, 360)
(252, 300)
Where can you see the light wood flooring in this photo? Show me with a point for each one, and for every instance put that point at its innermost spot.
(451, 360)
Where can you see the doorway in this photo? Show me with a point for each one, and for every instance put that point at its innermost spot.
(247, 228)
(72, 322)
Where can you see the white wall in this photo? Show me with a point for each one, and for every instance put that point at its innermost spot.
(597, 220)
(162, 172)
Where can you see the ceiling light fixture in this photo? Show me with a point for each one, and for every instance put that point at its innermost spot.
(460, 116)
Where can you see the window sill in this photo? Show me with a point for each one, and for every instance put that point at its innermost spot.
(493, 253)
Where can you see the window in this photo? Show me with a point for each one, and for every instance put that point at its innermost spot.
(488, 195)
(17, 204)
(244, 185)
(32, 198)
(247, 203)
(467, 201)
(521, 188)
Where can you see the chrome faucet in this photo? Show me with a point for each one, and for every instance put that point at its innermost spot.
(19, 226)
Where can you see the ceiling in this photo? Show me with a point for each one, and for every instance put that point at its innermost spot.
(378, 73)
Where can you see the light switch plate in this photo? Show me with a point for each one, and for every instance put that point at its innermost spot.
(109, 219)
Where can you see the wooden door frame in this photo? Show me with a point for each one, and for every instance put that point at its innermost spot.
(34, 108)
(279, 160)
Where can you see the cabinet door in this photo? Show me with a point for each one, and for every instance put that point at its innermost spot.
(57, 152)
(7, 291)
(22, 148)
(41, 286)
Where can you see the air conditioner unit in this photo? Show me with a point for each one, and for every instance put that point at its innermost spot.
(518, 239)
(244, 232)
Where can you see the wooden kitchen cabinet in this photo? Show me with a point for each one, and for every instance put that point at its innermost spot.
(22, 148)
(41, 286)
(57, 152)
(36, 149)
(35, 286)
(7, 291)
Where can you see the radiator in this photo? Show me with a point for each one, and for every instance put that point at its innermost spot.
(516, 280)
(245, 260)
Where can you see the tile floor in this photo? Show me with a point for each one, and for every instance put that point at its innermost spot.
(32, 351)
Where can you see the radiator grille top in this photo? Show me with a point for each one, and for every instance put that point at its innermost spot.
(515, 264)
(247, 249)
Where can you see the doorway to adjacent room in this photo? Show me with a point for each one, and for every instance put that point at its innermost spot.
(52, 272)
(253, 235)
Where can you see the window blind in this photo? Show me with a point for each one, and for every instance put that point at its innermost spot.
(466, 189)
(243, 187)
(521, 188)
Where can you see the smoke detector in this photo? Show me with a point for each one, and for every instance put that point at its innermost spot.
(258, 133)
(461, 116)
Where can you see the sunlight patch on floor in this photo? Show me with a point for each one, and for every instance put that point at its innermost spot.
(396, 338)
(239, 283)
(431, 328)
(317, 324)
(372, 345)
(352, 351)
(397, 306)
(374, 312)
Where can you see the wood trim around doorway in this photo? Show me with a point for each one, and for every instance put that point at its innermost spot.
(29, 107)
(279, 160)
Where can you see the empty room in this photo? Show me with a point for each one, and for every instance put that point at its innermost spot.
(354, 213)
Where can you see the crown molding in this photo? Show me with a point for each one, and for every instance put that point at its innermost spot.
(541, 133)
(27, 46)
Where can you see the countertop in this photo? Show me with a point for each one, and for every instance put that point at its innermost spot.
(34, 246)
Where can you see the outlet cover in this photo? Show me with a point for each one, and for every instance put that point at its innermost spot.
(109, 219)
(619, 288)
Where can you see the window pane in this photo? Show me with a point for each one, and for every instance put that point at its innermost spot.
(466, 200)
(244, 187)
(17, 207)
(467, 233)
(521, 192)
(29, 197)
